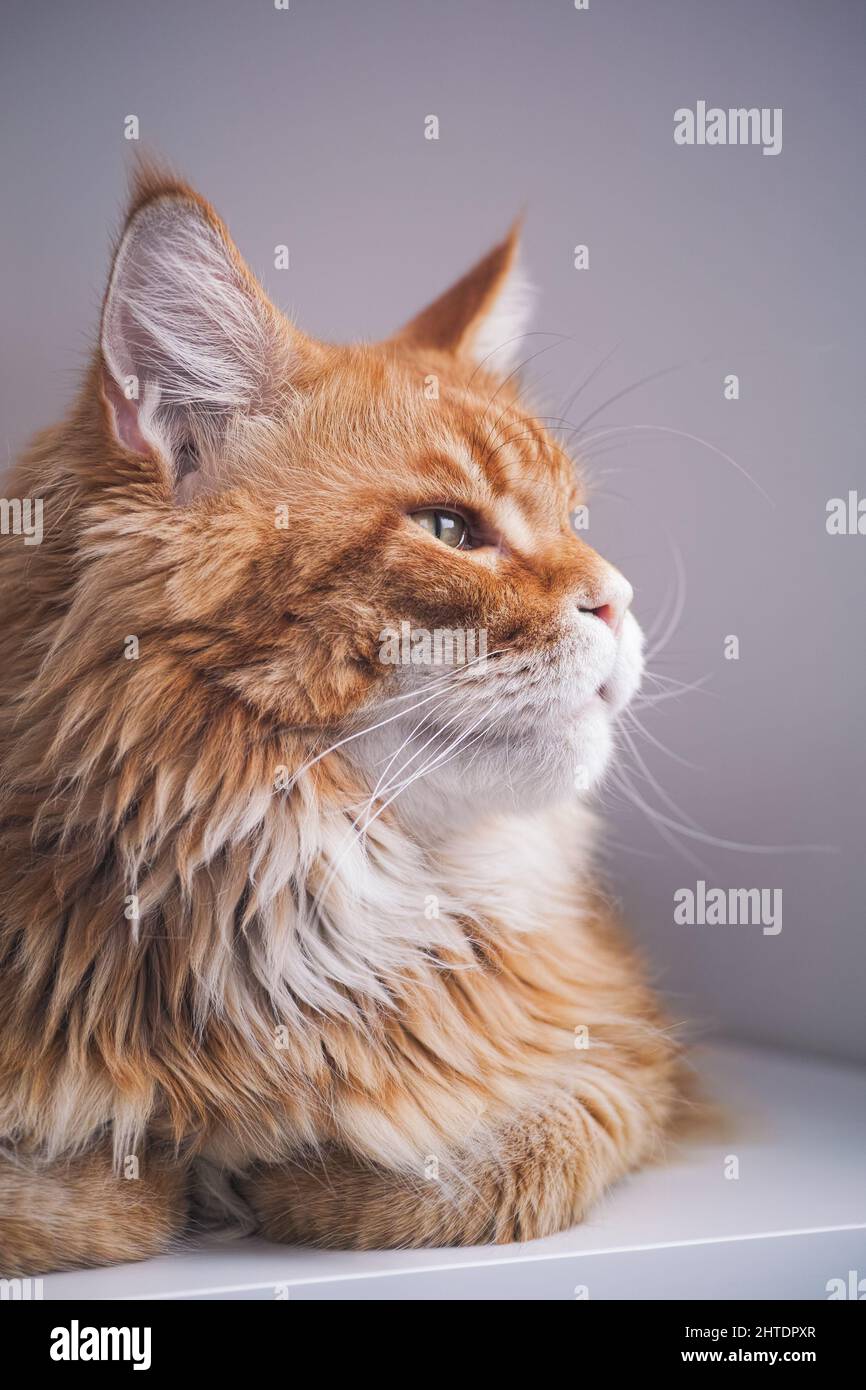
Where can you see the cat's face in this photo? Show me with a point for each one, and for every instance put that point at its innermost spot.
(379, 538)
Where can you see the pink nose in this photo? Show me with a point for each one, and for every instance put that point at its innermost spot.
(608, 614)
(616, 597)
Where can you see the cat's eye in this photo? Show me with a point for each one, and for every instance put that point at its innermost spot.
(448, 527)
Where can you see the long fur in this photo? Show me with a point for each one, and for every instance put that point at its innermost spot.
(223, 944)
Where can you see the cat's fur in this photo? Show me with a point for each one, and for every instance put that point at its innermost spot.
(374, 1034)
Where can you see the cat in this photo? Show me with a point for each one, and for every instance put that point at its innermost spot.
(319, 926)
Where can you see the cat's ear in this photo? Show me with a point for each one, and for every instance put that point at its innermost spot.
(188, 337)
(483, 317)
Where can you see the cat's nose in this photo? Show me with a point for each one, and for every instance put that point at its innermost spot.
(611, 600)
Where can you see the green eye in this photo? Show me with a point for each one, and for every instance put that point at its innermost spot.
(447, 527)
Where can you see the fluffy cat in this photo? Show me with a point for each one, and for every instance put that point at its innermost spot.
(271, 907)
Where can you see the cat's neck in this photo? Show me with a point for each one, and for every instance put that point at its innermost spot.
(396, 894)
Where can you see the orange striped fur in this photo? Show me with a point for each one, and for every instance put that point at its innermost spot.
(224, 949)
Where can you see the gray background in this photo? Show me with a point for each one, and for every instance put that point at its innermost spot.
(306, 127)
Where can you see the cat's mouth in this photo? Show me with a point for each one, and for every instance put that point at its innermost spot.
(524, 730)
(532, 692)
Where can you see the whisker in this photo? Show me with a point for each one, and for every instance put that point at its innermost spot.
(445, 677)
(356, 833)
(599, 367)
(695, 439)
(359, 733)
(656, 785)
(520, 366)
(662, 830)
(645, 700)
(678, 609)
(656, 742)
(636, 385)
(718, 842)
(535, 333)
(427, 767)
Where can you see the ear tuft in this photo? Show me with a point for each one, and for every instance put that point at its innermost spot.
(150, 179)
(483, 316)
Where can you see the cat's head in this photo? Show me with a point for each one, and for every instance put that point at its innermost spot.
(375, 537)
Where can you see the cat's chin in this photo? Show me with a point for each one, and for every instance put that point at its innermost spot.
(519, 770)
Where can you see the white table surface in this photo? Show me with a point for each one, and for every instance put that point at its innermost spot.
(793, 1220)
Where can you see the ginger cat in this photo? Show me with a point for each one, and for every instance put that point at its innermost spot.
(275, 909)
